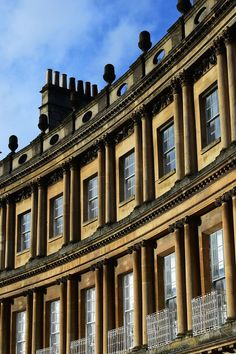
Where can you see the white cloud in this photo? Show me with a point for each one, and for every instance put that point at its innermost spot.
(74, 36)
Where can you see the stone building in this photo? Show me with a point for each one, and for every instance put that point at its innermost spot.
(118, 222)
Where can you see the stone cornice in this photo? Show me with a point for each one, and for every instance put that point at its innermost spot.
(176, 55)
(181, 192)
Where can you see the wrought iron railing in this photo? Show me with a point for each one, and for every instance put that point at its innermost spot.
(83, 346)
(49, 350)
(161, 328)
(208, 312)
(120, 340)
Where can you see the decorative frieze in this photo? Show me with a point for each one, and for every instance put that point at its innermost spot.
(55, 177)
(162, 101)
(204, 64)
(124, 132)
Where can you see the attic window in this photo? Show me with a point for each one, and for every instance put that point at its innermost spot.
(22, 159)
(159, 56)
(122, 89)
(87, 116)
(199, 17)
(54, 139)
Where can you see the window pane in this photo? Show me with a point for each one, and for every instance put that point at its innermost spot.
(90, 319)
(92, 195)
(25, 225)
(168, 149)
(170, 276)
(211, 117)
(54, 339)
(129, 176)
(217, 259)
(58, 216)
(20, 332)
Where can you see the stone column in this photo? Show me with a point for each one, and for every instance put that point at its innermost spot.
(66, 203)
(138, 160)
(180, 280)
(75, 222)
(147, 272)
(101, 185)
(192, 271)
(10, 233)
(37, 321)
(108, 302)
(148, 160)
(5, 326)
(42, 219)
(222, 82)
(2, 234)
(231, 66)
(234, 216)
(137, 297)
(190, 154)
(229, 256)
(71, 313)
(178, 128)
(99, 311)
(62, 315)
(110, 181)
(28, 327)
(34, 202)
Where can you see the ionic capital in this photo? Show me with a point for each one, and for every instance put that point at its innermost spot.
(218, 45)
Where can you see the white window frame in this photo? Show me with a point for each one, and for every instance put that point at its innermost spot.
(92, 198)
(167, 167)
(217, 260)
(90, 318)
(57, 216)
(128, 308)
(129, 175)
(54, 320)
(212, 96)
(20, 332)
(24, 231)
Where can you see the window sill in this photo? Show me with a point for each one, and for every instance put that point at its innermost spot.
(210, 146)
(20, 253)
(54, 238)
(90, 221)
(169, 174)
(127, 201)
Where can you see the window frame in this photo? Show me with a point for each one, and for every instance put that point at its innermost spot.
(163, 171)
(220, 278)
(91, 324)
(128, 312)
(17, 332)
(124, 179)
(21, 234)
(54, 218)
(55, 333)
(87, 211)
(205, 140)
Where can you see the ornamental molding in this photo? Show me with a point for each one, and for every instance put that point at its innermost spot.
(159, 207)
(178, 53)
(162, 101)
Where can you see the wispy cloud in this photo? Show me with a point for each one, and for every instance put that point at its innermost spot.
(77, 37)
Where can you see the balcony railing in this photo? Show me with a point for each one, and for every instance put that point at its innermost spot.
(209, 312)
(120, 340)
(49, 350)
(161, 328)
(83, 346)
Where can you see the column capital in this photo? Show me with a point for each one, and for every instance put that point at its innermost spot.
(175, 85)
(108, 139)
(228, 36)
(135, 117)
(2, 202)
(62, 280)
(65, 167)
(225, 198)
(143, 111)
(186, 78)
(39, 289)
(151, 243)
(6, 300)
(218, 45)
(134, 248)
(33, 186)
(40, 182)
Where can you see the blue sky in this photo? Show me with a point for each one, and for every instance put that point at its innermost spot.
(76, 37)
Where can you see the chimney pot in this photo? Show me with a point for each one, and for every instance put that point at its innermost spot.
(49, 76)
(56, 78)
(87, 89)
(80, 87)
(94, 90)
(72, 84)
(64, 81)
